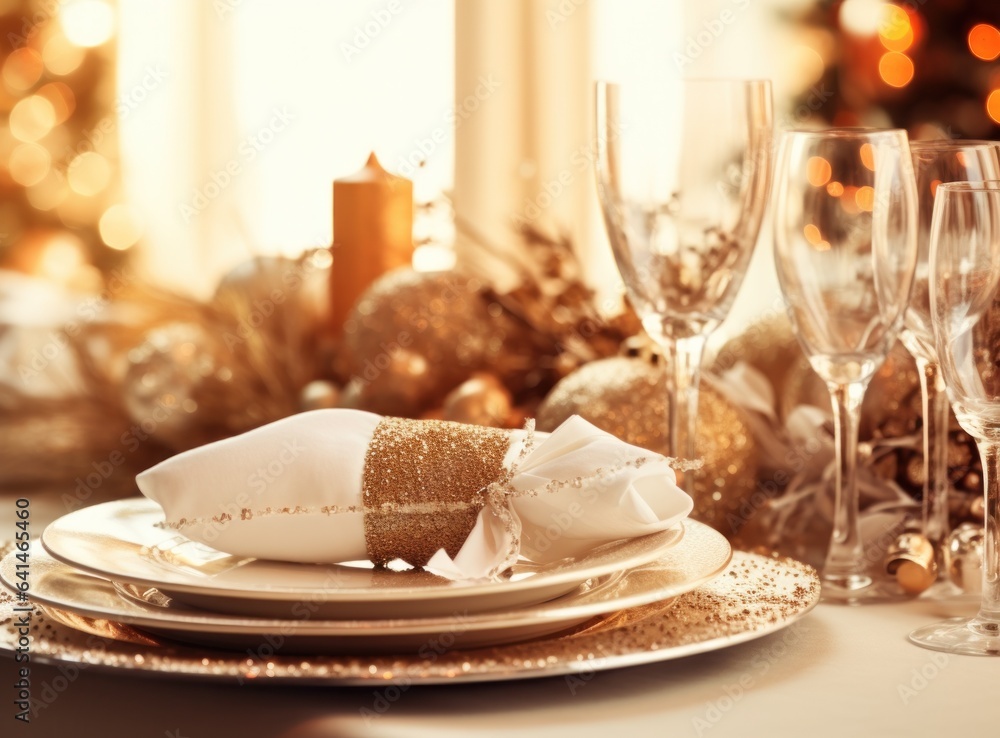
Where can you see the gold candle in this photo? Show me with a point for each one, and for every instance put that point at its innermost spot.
(372, 233)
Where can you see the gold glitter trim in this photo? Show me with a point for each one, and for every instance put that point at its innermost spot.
(423, 484)
(755, 596)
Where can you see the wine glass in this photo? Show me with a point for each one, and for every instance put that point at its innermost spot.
(965, 314)
(935, 162)
(683, 171)
(845, 239)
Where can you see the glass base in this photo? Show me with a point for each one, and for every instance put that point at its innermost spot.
(860, 589)
(970, 636)
(945, 589)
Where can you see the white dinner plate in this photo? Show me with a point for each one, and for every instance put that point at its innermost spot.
(755, 596)
(120, 541)
(702, 555)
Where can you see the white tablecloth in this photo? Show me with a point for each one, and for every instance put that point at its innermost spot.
(839, 672)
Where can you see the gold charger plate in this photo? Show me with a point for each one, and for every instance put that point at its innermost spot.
(755, 596)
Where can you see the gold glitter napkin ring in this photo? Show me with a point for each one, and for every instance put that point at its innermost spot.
(424, 483)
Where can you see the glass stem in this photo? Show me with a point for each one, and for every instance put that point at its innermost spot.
(988, 621)
(845, 563)
(682, 404)
(935, 411)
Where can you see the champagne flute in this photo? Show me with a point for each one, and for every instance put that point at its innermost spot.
(683, 171)
(935, 162)
(845, 239)
(965, 314)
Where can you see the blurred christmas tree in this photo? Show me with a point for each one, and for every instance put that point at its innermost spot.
(929, 66)
(59, 187)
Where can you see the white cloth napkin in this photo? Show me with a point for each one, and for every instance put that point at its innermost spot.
(314, 460)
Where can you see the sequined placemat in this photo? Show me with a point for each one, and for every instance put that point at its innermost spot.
(755, 596)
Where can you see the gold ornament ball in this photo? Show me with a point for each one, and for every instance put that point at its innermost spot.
(392, 385)
(319, 395)
(439, 317)
(481, 400)
(628, 398)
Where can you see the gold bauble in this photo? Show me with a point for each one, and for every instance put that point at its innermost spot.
(628, 398)
(768, 345)
(482, 400)
(440, 317)
(391, 385)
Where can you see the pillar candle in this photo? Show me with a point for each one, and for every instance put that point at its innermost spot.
(372, 233)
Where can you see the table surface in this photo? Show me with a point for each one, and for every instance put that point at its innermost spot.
(839, 671)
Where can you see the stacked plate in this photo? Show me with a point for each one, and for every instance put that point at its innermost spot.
(112, 562)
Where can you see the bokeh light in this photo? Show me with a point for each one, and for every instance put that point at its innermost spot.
(60, 56)
(89, 173)
(867, 153)
(865, 198)
(993, 105)
(818, 171)
(29, 163)
(895, 30)
(835, 189)
(895, 69)
(32, 118)
(984, 41)
(62, 98)
(22, 69)
(87, 22)
(120, 227)
(861, 17)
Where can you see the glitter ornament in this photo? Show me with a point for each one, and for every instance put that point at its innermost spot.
(319, 395)
(394, 384)
(163, 379)
(439, 318)
(628, 398)
(481, 400)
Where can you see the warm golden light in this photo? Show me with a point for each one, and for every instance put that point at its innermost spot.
(984, 41)
(818, 171)
(896, 31)
(865, 198)
(22, 69)
(896, 69)
(835, 189)
(848, 200)
(60, 56)
(49, 193)
(812, 234)
(62, 98)
(868, 156)
(89, 173)
(861, 17)
(32, 118)
(29, 163)
(993, 105)
(120, 227)
(87, 22)
(61, 258)
(934, 186)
